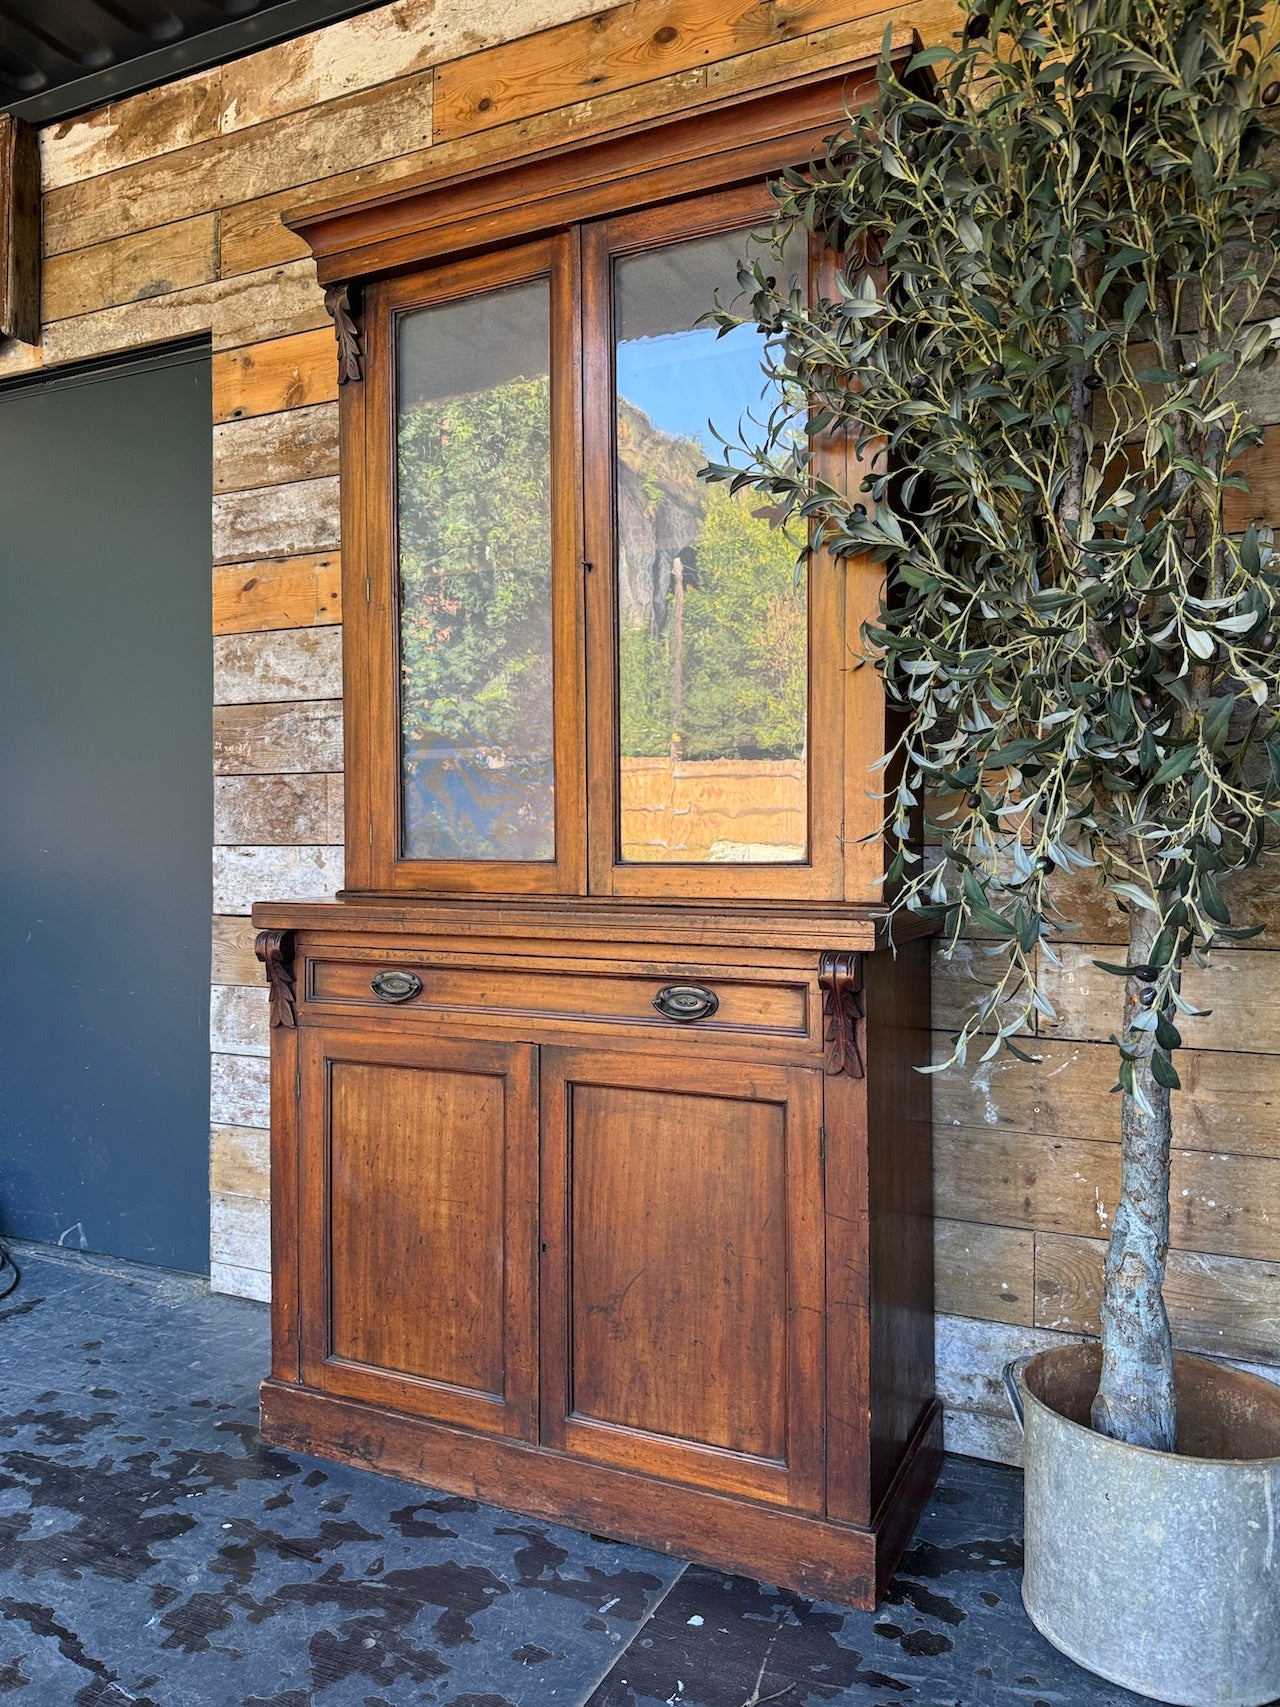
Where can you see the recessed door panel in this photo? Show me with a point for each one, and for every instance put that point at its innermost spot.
(419, 1185)
(682, 1291)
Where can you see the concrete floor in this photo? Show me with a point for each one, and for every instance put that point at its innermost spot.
(153, 1551)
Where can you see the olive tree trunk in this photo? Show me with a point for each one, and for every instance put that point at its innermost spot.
(1135, 1401)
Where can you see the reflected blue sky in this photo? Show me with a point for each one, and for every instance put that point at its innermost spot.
(680, 379)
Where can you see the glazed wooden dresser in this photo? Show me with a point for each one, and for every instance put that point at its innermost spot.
(600, 1164)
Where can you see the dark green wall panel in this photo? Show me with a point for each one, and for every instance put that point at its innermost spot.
(106, 810)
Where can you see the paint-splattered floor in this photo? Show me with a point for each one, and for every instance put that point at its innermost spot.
(153, 1551)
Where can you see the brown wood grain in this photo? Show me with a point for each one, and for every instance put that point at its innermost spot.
(1221, 1202)
(1229, 1102)
(987, 1272)
(147, 264)
(415, 1219)
(290, 592)
(682, 1290)
(19, 231)
(418, 1198)
(239, 1162)
(1239, 992)
(285, 373)
(627, 45)
(1225, 1306)
(234, 961)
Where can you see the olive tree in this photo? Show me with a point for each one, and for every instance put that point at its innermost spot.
(1058, 253)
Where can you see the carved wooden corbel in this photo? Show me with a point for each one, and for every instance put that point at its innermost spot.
(840, 980)
(275, 950)
(343, 304)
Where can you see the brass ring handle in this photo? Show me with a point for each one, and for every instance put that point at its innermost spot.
(396, 986)
(685, 1003)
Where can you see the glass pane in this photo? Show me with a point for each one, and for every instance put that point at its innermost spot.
(712, 618)
(474, 517)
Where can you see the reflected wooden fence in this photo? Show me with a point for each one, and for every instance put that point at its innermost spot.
(713, 809)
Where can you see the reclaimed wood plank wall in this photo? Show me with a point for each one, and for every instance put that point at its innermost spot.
(162, 219)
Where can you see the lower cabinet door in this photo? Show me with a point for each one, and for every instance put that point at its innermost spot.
(418, 1209)
(682, 1270)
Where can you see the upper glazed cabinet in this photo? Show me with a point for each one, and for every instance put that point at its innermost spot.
(574, 666)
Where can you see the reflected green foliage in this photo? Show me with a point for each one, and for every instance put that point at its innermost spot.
(475, 568)
(745, 656)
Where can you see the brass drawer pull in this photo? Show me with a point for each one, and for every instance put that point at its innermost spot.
(686, 1002)
(396, 986)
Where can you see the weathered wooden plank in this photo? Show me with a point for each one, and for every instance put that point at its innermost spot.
(959, 986)
(971, 1356)
(270, 450)
(287, 373)
(374, 124)
(296, 519)
(252, 235)
(240, 1161)
(235, 1282)
(1227, 1306)
(986, 1272)
(1261, 468)
(1239, 989)
(240, 1090)
(288, 592)
(238, 1023)
(246, 310)
(239, 1231)
(283, 663)
(242, 876)
(632, 44)
(269, 740)
(234, 961)
(277, 811)
(1009, 1179)
(1228, 1102)
(391, 42)
(152, 263)
(1221, 1202)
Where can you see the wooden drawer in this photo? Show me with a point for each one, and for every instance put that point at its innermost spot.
(769, 1005)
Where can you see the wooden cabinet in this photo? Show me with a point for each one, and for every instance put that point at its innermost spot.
(600, 1167)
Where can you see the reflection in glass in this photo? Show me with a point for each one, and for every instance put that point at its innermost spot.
(712, 619)
(474, 515)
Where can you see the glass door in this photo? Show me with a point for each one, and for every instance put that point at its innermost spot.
(480, 610)
(724, 769)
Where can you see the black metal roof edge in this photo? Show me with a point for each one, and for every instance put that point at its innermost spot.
(177, 59)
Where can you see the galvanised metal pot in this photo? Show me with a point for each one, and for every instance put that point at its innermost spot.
(1159, 1571)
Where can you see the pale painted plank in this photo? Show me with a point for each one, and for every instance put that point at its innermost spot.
(242, 876)
(256, 306)
(240, 1090)
(236, 1282)
(239, 1232)
(277, 811)
(277, 664)
(277, 521)
(238, 1020)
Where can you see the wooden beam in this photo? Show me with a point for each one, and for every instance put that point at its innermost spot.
(19, 230)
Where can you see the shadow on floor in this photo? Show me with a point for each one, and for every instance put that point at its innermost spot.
(153, 1551)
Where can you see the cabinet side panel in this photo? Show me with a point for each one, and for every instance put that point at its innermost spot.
(900, 1196)
(416, 1222)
